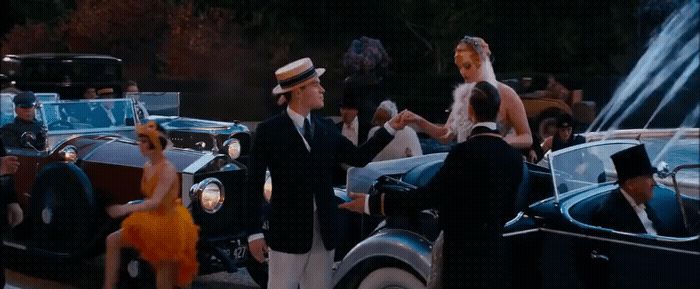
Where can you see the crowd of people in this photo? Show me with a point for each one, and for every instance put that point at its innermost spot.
(307, 155)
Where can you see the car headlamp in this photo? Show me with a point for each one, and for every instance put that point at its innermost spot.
(233, 148)
(69, 153)
(210, 193)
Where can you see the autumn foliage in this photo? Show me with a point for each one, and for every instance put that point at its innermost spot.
(152, 37)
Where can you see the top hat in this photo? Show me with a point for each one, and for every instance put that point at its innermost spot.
(564, 120)
(350, 99)
(295, 74)
(25, 99)
(632, 162)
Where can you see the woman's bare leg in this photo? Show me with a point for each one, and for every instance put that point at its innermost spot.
(113, 245)
(166, 276)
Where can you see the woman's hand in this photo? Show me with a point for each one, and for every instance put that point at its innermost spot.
(117, 211)
(409, 117)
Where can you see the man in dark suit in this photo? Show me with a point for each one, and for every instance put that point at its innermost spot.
(300, 152)
(25, 121)
(10, 212)
(352, 127)
(475, 193)
(628, 208)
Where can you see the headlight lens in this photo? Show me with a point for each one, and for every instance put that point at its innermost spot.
(69, 153)
(233, 148)
(210, 193)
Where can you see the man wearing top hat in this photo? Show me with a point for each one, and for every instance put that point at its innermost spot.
(627, 209)
(352, 127)
(300, 150)
(25, 109)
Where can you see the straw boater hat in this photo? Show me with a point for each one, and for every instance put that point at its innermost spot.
(295, 74)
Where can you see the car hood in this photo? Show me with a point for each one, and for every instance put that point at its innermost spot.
(117, 150)
(198, 125)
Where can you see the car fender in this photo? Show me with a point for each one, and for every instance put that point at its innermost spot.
(405, 246)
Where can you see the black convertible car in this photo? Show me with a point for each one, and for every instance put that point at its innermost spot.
(554, 242)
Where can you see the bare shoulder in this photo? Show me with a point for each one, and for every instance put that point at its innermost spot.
(168, 167)
(507, 92)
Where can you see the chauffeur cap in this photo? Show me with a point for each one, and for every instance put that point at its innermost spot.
(295, 74)
(632, 162)
(25, 99)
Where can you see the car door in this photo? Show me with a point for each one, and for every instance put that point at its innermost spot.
(646, 261)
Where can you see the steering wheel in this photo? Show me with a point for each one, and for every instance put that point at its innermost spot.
(60, 124)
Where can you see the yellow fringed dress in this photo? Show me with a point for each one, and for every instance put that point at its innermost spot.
(165, 234)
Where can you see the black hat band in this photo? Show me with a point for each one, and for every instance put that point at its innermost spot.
(287, 83)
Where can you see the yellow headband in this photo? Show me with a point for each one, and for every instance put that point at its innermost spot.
(150, 130)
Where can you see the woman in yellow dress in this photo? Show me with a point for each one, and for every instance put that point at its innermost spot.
(160, 228)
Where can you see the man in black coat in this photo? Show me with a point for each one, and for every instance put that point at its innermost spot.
(628, 208)
(353, 128)
(301, 151)
(25, 121)
(475, 193)
(10, 212)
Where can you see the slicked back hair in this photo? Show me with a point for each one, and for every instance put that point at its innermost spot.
(485, 102)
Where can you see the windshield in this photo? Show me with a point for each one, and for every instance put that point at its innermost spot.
(85, 116)
(585, 165)
(157, 103)
(588, 164)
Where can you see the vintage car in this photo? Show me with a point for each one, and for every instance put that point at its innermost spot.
(555, 244)
(67, 74)
(231, 138)
(64, 187)
(543, 106)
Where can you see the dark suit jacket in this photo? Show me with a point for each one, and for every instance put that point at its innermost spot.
(340, 175)
(299, 177)
(98, 117)
(475, 193)
(362, 131)
(617, 214)
(12, 133)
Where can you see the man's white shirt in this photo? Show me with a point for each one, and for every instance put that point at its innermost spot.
(351, 131)
(641, 213)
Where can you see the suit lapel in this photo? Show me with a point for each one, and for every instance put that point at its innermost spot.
(295, 139)
(319, 132)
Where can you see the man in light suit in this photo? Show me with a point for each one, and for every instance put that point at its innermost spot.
(475, 192)
(301, 151)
